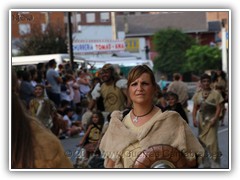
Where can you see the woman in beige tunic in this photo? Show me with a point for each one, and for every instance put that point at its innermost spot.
(32, 144)
(144, 126)
(207, 105)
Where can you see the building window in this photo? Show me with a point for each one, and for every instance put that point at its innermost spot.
(104, 17)
(44, 27)
(90, 17)
(78, 18)
(24, 29)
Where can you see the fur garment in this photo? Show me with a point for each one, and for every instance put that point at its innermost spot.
(121, 83)
(166, 128)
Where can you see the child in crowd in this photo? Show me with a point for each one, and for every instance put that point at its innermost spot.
(93, 134)
(63, 106)
(160, 99)
(174, 105)
(74, 127)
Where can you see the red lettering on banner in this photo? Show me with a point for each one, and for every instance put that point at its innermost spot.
(103, 46)
(119, 46)
(98, 46)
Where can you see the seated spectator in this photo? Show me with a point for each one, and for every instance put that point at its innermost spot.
(74, 127)
(63, 106)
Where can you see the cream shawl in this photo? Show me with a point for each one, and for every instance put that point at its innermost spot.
(166, 128)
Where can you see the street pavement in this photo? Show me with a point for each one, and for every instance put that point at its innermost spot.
(223, 137)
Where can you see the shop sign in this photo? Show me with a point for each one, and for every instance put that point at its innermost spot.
(88, 46)
(132, 44)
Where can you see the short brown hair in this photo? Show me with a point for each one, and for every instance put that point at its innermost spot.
(177, 76)
(205, 76)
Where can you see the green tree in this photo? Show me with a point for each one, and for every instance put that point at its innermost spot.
(201, 58)
(51, 41)
(171, 46)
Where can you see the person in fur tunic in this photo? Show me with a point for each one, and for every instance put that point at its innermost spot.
(33, 146)
(145, 125)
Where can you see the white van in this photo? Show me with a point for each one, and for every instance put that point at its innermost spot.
(35, 59)
(121, 64)
(98, 62)
(125, 63)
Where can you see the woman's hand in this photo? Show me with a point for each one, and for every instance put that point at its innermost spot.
(110, 163)
(195, 123)
(80, 144)
(213, 121)
(90, 127)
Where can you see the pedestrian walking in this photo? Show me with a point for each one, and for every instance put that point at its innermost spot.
(207, 104)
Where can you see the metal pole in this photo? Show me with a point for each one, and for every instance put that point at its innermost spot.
(125, 19)
(70, 39)
(114, 36)
(224, 50)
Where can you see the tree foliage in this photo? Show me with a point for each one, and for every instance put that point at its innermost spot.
(171, 46)
(51, 41)
(201, 58)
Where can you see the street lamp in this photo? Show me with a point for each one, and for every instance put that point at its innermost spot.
(70, 39)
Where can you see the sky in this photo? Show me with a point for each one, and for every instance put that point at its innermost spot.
(123, 4)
